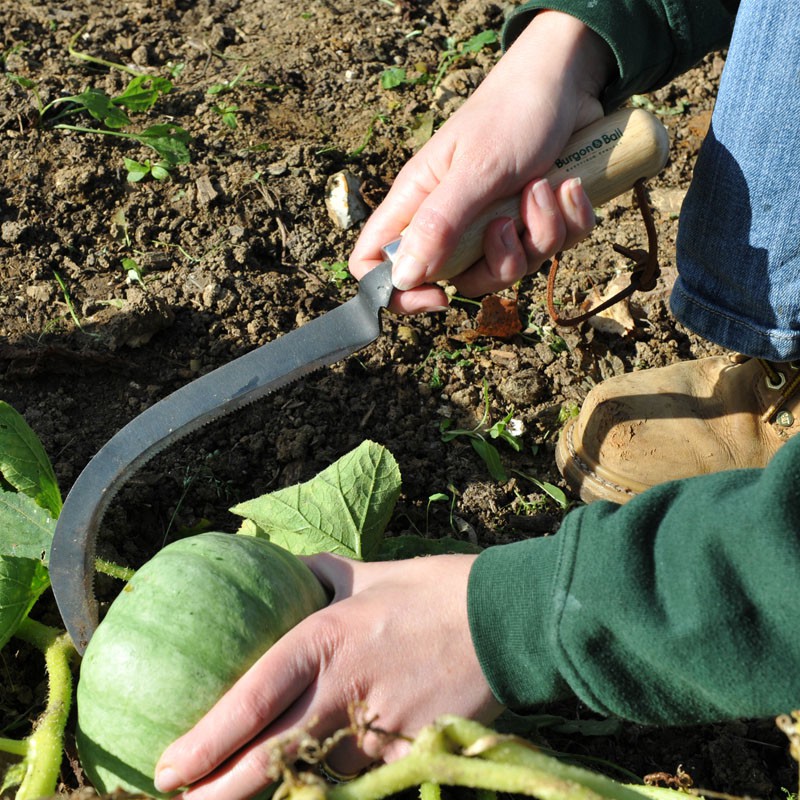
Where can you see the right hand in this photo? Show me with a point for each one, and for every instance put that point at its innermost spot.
(499, 143)
(395, 637)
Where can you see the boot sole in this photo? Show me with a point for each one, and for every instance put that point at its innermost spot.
(582, 477)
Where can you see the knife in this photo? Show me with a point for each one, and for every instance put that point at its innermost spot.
(609, 156)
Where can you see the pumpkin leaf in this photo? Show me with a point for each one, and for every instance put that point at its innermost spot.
(22, 580)
(344, 509)
(24, 465)
(26, 529)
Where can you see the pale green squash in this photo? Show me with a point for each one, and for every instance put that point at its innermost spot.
(186, 627)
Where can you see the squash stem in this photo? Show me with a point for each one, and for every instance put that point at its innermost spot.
(114, 570)
(459, 752)
(42, 761)
(14, 747)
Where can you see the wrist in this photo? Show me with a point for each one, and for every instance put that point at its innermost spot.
(582, 58)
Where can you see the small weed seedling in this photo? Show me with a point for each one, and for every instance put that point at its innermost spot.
(133, 272)
(169, 141)
(455, 50)
(506, 429)
(395, 77)
(551, 490)
(138, 170)
(338, 273)
(227, 111)
(68, 301)
(461, 357)
(441, 497)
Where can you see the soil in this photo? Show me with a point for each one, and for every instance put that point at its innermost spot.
(237, 247)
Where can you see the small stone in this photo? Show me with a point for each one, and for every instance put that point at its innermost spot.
(206, 193)
(343, 200)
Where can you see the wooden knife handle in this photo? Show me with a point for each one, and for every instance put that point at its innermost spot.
(609, 156)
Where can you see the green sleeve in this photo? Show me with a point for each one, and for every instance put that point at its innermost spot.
(653, 41)
(660, 611)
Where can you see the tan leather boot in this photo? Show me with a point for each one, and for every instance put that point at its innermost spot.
(644, 428)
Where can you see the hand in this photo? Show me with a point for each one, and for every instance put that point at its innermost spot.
(505, 137)
(395, 637)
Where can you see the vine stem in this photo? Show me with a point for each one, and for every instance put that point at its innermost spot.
(14, 747)
(458, 752)
(45, 745)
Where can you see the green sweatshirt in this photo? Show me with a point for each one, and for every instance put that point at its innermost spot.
(675, 608)
(652, 40)
(678, 607)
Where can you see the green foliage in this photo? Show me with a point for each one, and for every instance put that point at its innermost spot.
(169, 141)
(395, 77)
(456, 50)
(552, 491)
(30, 501)
(479, 437)
(338, 272)
(398, 76)
(344, 509)
(133, 271)
(138, 171)
(228, 113)
(139, 96)
(641, 101)
(24, 465)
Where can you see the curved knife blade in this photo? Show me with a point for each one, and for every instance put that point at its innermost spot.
(323, 341)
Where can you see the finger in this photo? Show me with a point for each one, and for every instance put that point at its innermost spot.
(504, 263)
(577, 212)
(544, 224)
(413, 184)
(261, 762)
(442, 217)
(270, 686)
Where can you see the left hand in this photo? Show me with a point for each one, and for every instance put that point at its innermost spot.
(395, 637)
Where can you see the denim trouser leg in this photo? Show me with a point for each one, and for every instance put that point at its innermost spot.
(738, 247)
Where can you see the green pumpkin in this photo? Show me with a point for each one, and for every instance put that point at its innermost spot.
(185, 628)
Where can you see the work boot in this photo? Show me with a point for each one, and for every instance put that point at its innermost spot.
(695, 417)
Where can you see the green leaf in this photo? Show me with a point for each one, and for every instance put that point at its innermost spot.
(344, 509)
(22, 580)
(488, 452)
(136, 170)
(142, 92)
(160, 171)
(23, 462)
(25, 83)
(394, 77)
(101, 107)
(171, 142)
(479, 41)
(26, 529)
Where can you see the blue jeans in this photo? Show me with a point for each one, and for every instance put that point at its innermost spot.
(738, 250)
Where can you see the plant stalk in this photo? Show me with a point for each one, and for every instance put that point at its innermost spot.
(42, 761)
(14, 747)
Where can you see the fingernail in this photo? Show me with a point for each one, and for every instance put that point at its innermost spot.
(167, 780)
(543, 196)
(508, 235)
(574, 191)
(407, 272)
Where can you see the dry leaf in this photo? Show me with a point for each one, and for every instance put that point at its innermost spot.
(617, 319)
(498, 317)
